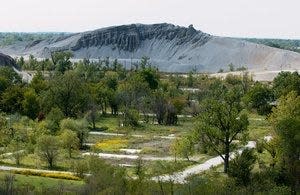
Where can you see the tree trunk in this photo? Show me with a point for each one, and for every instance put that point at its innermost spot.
(70, 152)
(226, 160)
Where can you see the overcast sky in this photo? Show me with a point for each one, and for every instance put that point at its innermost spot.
(238, 18)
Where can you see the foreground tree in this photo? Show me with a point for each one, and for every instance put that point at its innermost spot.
(221, 121)
(286, 122)
(241, 167)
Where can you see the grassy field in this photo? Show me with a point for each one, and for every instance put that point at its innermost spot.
(149, 142)
(112, 124)
(258, 127)
(41, 183)
(63, 162)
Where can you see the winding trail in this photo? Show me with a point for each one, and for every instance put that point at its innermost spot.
(177, 177)
(180, 177)
(135, 157)
(171, 136)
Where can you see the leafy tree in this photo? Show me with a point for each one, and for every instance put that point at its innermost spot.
(21, 61)
(241, 167)
(8, 77)
(80, 127)
(183, 147)
(221, 121)
(105, 178)
(271, 147)
(259, 97)
(12, 98)
(179, 103)
(53, 119)
(69, 141)
(286, 122)
(150, 76)
(132, 93)
(48, 149)
(190, 79)
(231, 67)
(131, 118)
(92, 115)
(144, 62)
(38, 82)
(171, 114)
(61, 61)
(32, 63)
(159, 106)
(16, 146)
(68, 93)
(30, 104)
(286, 82)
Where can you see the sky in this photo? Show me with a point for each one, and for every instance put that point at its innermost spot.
(233, 18)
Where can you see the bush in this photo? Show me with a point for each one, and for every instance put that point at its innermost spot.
(240, 167)
(44, 174)
(80, 168)
(131, 118)
(112, 144)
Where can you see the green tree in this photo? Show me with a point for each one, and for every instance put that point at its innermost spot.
(68, 93)
(80, 127)
(259, 97)
(131, 118)
(150, 75)
(16, 146)
(231, 67)
(241, 167)
(286, 122)
(12, 98)
(48, 149)
(286, 82)
(69, 141)
(38, 82)
(53, 119)
(221, 121)
(105, 178)
(61, 61)
(183, 147)
(8, 77)
(30, 104)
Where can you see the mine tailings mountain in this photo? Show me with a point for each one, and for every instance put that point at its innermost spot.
(6, 60)
(171, 48)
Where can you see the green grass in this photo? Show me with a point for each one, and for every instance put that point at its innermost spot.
(111, 123)
(40, 183)
(258, 127)
(63, 162)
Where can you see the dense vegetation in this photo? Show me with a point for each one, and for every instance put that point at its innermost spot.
(46, 124)
(288, 44)
(12, 38)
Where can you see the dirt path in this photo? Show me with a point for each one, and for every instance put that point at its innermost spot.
(180, 177)
(171, 136)
(135, 157)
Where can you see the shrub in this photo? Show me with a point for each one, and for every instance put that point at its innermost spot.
(241, 167)
(44, 174)
(131, 118)
(112, 144)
